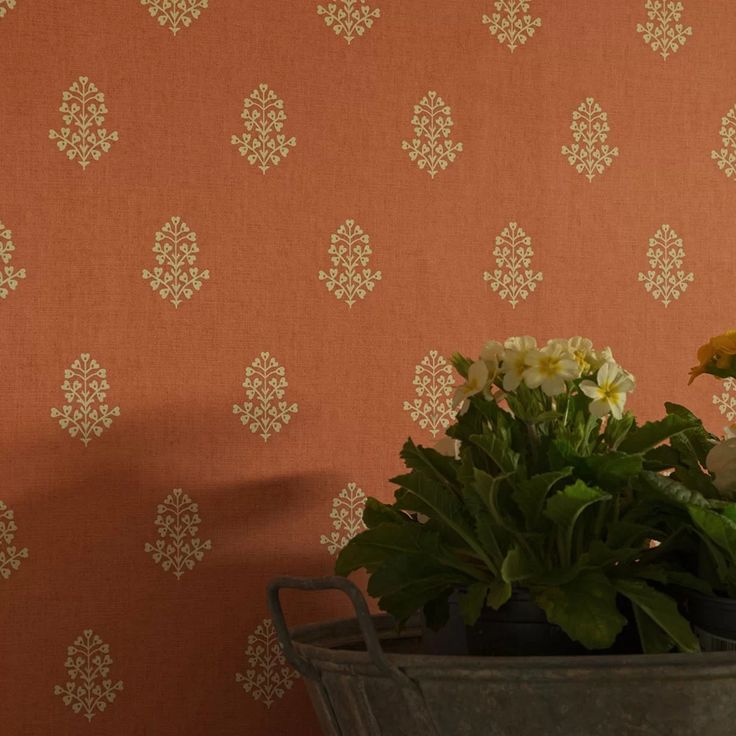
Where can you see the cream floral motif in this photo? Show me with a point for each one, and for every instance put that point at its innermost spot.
(176, 278)
(432, 149)
(9, 275)
(85, 387)
(434, 385)
(726, 402)
(666, 281)
(268, 676)
(176, 14)
(178, 548)
(663, 31)
(82, 108)
(89, 690)
(6, 5)
(350, 278)
(514, 278)
(265, 410)
(349, 18)
(263, 142)
(725, 158)
(347, 518)
(10, 554)
(589, 153)
(512, 24)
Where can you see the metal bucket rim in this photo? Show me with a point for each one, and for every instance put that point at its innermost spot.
(321, 644)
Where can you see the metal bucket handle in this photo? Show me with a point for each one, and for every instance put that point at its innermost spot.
(373, 646)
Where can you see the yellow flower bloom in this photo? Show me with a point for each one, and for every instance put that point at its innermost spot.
(716, 356)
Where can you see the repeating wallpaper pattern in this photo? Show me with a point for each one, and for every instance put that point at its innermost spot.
(215, 332)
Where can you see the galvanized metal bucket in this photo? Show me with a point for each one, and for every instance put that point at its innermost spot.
(365, 679)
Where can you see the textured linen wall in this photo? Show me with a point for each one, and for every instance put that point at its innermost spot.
(240, 239)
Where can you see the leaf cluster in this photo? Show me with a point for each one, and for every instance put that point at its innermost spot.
(541, 495)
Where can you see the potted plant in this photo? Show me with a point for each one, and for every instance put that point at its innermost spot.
(698, 506)
(536, 513)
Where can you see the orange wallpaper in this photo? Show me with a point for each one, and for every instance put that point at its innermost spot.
(239, 240)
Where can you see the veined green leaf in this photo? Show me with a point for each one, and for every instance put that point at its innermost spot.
(430, 462)
(699, 437)
(424, 496)
(717, 527)
(531, 494)
(662, 610)
(376, 512)
(565, 507)
(672, 490)
(371, 548)
(429, 497)
(405, 583)
(585, 608)
(652, 433)
(498, 450)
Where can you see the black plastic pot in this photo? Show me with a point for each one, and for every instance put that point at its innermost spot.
(714, 620)
(518, 628)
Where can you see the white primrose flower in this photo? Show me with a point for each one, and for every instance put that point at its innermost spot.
(514, 361)
(599, 357)
(581, 349)
(492, 353)
(721, 461)
(610, 391)
(478, 376)
(550, 368)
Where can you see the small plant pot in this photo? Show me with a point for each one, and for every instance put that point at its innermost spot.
(519, 628)
(714, 621)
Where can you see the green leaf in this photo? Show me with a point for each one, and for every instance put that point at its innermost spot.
(518, 566)
(499, 593)
(699, 437)
(430, 462)
(426, 496)
(614, 469)
(500, 452)
(472, 601)
(653, 433)
(672, 490)
(376, 512)
(617, 429)
(719, 528)
(585, 608)
(565, 507)
(461, 364)
(405, 583)
(654, 639)
(531, 494)
(661, 457)
(371, 548)
(663, 611)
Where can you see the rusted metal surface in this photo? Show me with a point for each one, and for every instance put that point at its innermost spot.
(365, 679)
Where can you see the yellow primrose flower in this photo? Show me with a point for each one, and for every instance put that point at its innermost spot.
(550, 368)
(716, 356)
(609, 393)
(514, 361)
(477, 381)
